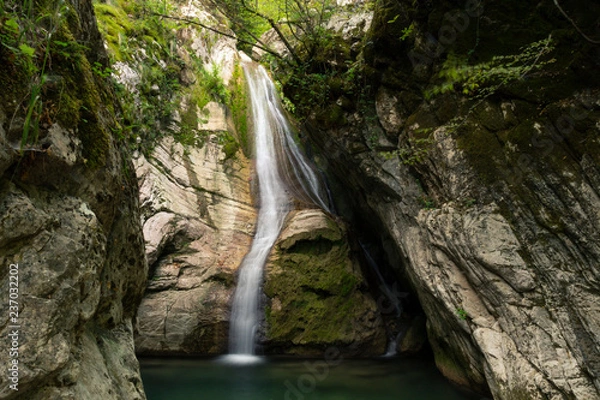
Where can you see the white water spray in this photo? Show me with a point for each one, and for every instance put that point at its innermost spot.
(273, 142)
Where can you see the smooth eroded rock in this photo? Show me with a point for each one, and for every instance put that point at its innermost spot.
(317, 298)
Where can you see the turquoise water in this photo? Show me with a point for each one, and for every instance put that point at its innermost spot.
(384, 379)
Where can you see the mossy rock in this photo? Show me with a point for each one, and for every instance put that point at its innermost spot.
(331, 117)
(451, 368)
(69, 93)
(316, 293)
(115, 26)
(482, 147)
(238, 107)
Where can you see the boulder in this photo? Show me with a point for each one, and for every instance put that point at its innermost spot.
(316, 295)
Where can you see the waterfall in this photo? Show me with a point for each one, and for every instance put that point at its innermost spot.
(393, 295)
(283, 174)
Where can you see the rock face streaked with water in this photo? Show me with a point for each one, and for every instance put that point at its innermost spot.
(198, 223)
(197, 211)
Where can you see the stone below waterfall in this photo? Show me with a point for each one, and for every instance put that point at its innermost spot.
(317, 297)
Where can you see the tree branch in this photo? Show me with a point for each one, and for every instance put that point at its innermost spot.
(259, 44)
(277, 30)
(574, 24)
(291, 25)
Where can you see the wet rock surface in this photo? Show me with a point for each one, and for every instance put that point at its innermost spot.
(489, 208)
(198, 225)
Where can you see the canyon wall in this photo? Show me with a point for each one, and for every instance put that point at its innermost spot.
(484, 188)
(70, 218)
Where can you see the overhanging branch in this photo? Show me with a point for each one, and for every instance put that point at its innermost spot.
(219, 32)
(277, 30)
(586, 37)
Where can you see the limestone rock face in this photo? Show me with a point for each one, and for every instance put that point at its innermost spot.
(489, 207)
(70, 237)
(508, 289)
(197, 212)
(198, 224)
(317, 298)
(351, 25)
(489, 284)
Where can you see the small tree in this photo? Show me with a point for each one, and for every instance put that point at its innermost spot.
(299, 24)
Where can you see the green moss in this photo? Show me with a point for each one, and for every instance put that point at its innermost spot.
(308, 91)
(239, 108)
(61, 74)
(189, 120)
(483, 148)
(68, 114)
(14, 81)
(317, 287)
(93, 134)
(78, 103)
(199, 96)
(115, 26)
(348, 283)
(451, 368)
(488, 152)
(332, 116)
(66, 95)
(230, 147)
(520, 136)
(130, 24)
(96, 141)
(490, 116)
(114, 16)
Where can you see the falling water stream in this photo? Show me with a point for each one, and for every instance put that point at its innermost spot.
(284, 179)
(283, 174)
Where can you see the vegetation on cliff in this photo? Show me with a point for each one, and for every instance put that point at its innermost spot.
(56, 78)
(163, 85)
(68, 198)
(312, 62)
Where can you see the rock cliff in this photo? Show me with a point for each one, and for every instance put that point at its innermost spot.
(197, 197)
(470, 152)
(69, 213)
(485, 189)
(195, 180)
(198, 224)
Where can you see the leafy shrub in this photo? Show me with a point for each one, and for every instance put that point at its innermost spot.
(483, 79)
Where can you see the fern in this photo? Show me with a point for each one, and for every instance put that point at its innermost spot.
(483, 79)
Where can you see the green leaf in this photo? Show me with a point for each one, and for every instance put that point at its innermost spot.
(391, 21)
(12, 25)
(27, 50)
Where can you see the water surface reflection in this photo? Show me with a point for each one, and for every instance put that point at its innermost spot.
(381, 379)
